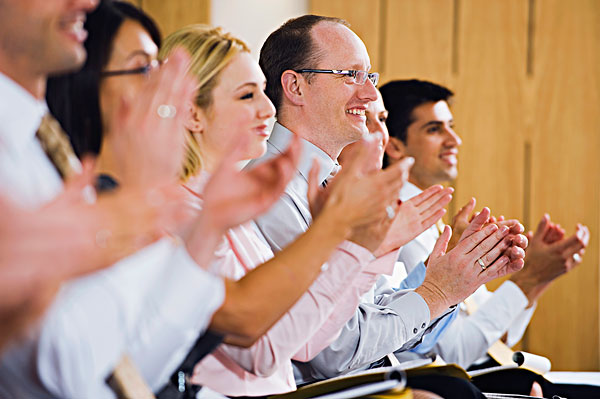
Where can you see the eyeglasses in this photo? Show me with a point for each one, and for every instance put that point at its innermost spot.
(144, 70)
(358, 77)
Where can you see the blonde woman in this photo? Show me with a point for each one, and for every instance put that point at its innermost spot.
(231, 107)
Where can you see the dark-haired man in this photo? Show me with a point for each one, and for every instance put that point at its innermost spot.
(421, 125)
(318, 77)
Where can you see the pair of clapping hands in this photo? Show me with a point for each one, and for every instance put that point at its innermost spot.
(479, 251)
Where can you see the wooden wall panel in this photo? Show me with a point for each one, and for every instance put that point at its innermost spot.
(174, 14)
(364, 19)
(489, 104)
(566, 172)
(419, 40)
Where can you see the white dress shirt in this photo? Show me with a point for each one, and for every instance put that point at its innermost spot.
(469, 336)
(151, 305)
(385, 320)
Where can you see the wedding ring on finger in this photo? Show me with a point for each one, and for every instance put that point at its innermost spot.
(391, 213)
(482, 264)
(577, 258)
(166, 111)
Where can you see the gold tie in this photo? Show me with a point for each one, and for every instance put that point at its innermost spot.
(56, 144)
(126, 381)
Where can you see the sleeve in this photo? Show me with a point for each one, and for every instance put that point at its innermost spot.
(145, 305)
(346, 306)
(470, 336)
(307, 316)
(375, 330)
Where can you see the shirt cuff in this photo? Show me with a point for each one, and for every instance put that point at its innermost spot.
(416, 320)
(384, 264)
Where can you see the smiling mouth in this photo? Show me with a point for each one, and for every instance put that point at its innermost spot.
(356, 111)
(74, 28)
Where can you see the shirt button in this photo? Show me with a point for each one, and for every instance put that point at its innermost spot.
(415, 330)
(423, 325)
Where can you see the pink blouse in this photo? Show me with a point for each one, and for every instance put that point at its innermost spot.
(307, 328)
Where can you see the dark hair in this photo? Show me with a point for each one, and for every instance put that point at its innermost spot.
(290, 47)
(401, 97)
(74, 98)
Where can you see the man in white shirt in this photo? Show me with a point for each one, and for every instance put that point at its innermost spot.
(421, 125)
(318, 79)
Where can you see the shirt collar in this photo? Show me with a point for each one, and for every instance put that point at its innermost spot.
(20, 113)
(280, 138)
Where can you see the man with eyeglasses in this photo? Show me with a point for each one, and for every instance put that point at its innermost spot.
(326, 108)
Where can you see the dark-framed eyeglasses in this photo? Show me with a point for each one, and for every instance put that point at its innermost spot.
(358, 77)
(143, 70)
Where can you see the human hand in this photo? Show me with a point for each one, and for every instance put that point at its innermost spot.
(149, 139)
(380, 189)
(460, 221)
(516, 241)
(415, 216)
(72, 235)
(232, 197)
(549, 256)
(453, 276)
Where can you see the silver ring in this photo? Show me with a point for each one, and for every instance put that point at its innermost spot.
(166, 111)
(391, 213)
(483, 266)
(577, 258)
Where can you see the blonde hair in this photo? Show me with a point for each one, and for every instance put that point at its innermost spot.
(211, 49)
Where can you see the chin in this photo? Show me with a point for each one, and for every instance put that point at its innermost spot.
(70, 60)
(257, 150)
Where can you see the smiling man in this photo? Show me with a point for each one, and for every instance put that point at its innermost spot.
(319, 79)
(421, 125)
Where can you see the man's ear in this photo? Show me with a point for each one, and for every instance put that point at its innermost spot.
(196, 120)
(395, 149)
(293, 86)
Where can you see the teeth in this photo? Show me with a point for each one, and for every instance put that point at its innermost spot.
(356, 111)
(77, 26)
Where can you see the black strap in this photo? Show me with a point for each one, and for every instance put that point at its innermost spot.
(179, 386)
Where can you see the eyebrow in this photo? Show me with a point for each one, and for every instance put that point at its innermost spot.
(252, 84)
(436, 123)
(137, 52)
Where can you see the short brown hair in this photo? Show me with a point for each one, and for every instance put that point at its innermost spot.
(290, 47)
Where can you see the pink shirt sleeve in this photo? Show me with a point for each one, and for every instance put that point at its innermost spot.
(346, 305)
(307, 316)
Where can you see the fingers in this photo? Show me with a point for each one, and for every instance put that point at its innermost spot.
(542, 227)
(426, 196)
(471, 242)
(518, 240)
(570, 245)
(313, 181)
(492, 246)
(430, 220)
(478, 221)
(363, 155)
(439, 201)
(396, 174)
(466, 210)
(441, 244)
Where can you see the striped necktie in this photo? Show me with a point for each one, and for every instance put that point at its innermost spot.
(126, 381)
(57, 147)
